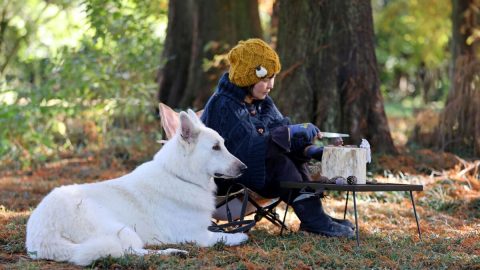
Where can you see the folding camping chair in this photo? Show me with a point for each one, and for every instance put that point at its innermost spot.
(234, 206)
(234, 201)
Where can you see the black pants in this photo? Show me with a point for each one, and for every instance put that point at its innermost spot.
(282, 166)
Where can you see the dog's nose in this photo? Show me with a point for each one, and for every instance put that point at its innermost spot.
(243, 168)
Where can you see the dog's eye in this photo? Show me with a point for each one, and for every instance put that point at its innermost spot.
(216, 147)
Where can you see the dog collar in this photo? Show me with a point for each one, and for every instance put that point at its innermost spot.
(186, 181)
(189, 182)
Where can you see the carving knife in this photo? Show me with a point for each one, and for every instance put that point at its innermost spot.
(333, 135)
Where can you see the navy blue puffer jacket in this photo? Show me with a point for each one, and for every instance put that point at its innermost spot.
(246, 133)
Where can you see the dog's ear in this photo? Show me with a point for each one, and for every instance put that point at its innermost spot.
(188, 129)
(194, 116)
(169, 120)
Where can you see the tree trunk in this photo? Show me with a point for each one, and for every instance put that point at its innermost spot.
(218, 26)
(459, 126)
(274, 21)
(199, 35)
(329, 69)
(172, 77)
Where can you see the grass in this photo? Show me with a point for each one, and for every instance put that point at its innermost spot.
(267, 250)
(448, 210)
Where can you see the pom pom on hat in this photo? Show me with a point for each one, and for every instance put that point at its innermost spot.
(252, 60)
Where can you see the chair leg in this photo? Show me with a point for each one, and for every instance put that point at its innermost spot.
(345, 211)
(286, 210)
(356, 218)
(274, 219)
(268, 213)
(415, 213)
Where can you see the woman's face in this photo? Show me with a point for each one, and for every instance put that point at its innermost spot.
(262, 88)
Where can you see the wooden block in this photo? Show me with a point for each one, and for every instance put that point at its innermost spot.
(345, 161)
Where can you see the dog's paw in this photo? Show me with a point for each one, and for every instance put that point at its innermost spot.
(179, 253)
(235, 239)
(172, 252)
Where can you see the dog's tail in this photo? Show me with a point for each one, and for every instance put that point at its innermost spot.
(92, 249)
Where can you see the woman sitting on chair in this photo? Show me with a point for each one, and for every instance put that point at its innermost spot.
(255, 131)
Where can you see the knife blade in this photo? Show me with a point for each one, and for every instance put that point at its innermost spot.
(334, 135)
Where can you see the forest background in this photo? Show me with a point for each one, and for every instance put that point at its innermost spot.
(80, 82)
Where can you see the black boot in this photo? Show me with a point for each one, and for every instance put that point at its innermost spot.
(344, 222)
(313, 219)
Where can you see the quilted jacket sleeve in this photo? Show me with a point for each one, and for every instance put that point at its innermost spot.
(231, 120)
(271, 116)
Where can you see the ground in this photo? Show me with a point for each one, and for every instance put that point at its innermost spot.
(448, 209)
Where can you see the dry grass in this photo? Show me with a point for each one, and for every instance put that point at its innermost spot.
(448, 209)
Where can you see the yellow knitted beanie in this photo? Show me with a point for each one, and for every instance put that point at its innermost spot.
(252, 60)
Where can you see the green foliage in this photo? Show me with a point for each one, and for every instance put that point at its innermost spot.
(67, 89)
(412, 46)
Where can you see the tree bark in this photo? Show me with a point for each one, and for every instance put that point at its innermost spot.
(204, 32)
(459, 126)
(218, 26)
(172, 77)
(330, 74)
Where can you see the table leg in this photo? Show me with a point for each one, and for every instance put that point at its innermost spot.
(345, 211)
(286, 210)
(356, 218)
(415, 213)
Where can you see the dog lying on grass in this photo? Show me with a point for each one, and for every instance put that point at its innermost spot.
(169, 199)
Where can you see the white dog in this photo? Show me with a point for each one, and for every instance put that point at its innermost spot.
(167, 200)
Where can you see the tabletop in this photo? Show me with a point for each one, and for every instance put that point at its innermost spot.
(361, 188)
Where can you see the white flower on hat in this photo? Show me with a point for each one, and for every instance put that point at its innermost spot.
(261, 72)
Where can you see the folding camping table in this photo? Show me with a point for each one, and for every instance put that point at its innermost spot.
(369, 187)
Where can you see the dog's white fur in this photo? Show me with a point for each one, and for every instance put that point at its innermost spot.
(167, 200)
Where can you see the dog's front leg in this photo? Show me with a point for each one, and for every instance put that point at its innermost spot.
(230, 239)
(168, 252)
